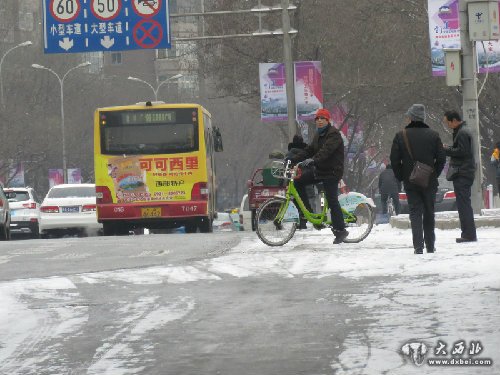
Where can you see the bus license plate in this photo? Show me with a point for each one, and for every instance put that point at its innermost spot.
(151, 212)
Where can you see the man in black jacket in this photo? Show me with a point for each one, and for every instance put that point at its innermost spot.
(462, 160)
(389, 187)
(426, 147)
(326, 153)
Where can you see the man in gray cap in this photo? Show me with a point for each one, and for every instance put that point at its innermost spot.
(425, 147)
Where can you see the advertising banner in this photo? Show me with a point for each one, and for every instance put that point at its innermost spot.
(74, 176)
(444, 31)
(308, 89)
(12, 174)
(273, 101)
(55, 177)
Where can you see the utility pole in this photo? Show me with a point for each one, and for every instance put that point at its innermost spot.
(470, 102)
(289, 70)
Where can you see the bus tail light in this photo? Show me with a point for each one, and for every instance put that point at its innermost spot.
(49, 209)
(199, 191)
(103, 195)
(89, 207)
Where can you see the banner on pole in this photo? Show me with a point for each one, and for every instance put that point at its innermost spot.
(308, 89)
(444, 31)
(55, 177)
(74, 176)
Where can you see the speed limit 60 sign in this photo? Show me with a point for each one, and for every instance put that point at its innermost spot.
(105, 25)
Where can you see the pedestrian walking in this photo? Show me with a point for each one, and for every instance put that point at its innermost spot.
(389, 187)
(424, 145)
(461, 171)
(495, 162)
(326, 154)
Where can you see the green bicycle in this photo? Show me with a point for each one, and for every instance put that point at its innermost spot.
(277, 218)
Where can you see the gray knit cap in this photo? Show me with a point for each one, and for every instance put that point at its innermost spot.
(416, 112)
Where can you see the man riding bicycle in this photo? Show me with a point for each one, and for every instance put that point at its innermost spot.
(324, 163)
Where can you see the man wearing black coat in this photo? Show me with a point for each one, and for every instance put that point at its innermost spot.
(389, 187)
(326, 153)
(426, 147)
(462, 160)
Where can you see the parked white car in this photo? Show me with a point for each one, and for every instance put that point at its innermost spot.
(69, 209)
(225, 222)
(24, 211)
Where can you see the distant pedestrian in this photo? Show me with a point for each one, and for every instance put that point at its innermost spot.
(426, 147)
(495, 162)
(389, 187)
(462, 170)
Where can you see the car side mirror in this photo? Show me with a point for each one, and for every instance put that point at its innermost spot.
(218, 147)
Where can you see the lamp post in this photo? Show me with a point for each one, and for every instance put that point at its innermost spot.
(177, 76)
(23, 44)
(61, 84)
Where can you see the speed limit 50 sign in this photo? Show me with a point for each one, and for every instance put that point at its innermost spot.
(105, 25)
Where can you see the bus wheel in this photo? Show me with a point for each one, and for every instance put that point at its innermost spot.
(206, 225)
(108, 229)
(191, 227)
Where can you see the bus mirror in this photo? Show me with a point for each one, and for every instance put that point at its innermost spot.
(217, 140)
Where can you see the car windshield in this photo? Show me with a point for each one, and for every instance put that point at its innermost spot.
(17, 196)
(72, 192)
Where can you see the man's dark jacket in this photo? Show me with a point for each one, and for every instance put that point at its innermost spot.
(426, 147)
(388, 183)
(327, 151)
(460, 152)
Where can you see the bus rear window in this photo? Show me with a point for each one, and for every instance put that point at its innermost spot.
(157, 131)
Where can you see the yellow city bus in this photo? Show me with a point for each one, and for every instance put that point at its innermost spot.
(155, 167)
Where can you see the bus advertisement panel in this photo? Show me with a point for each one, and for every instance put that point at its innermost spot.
(154, 167)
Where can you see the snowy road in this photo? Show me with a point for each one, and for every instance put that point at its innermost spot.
(227, 304)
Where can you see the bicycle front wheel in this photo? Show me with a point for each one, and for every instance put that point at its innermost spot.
(269, 229)
(361, 227)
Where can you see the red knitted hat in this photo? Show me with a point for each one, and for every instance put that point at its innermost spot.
(322, 112)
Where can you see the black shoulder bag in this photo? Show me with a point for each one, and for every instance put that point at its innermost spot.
(421, 173)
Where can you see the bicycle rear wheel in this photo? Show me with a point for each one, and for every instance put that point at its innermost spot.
(361, 227)
(269, 230)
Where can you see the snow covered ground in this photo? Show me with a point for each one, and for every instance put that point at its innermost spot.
(448, 297)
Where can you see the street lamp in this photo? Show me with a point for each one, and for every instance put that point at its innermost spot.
(177, 76)
(61, 84)
(23, 44)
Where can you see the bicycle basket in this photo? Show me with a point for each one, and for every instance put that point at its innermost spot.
(278, 169)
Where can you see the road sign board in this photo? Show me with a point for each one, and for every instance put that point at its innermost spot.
(72, 26)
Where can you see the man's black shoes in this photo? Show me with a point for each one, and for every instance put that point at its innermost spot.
(462, 239)
(418, 251)
(302, 224)
(340, 236)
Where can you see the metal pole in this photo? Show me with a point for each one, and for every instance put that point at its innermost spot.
(65, 173)
(290, 76)
(470, 103)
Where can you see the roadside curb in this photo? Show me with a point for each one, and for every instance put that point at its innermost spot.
(450, 220)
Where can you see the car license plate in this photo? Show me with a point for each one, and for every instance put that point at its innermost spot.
(151, 212)
(70, 209)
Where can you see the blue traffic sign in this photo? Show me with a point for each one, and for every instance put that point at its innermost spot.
(72, 26)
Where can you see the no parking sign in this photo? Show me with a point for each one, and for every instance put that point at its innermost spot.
(105, 25)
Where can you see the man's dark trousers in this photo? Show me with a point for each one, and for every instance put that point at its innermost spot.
(421, 206)
(462, 186)
(331, 191)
